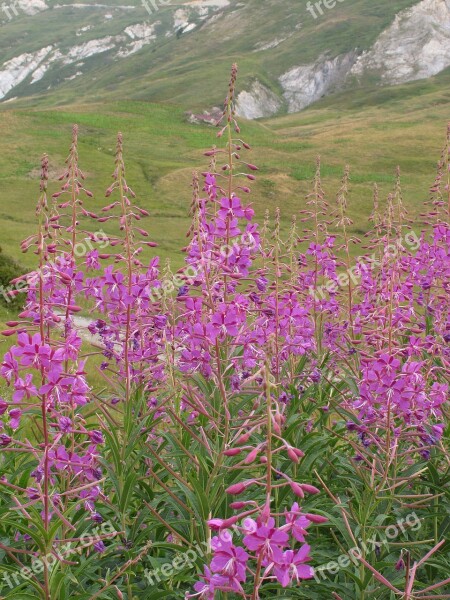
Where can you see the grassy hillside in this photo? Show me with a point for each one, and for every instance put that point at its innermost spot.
(188, 69)
(372, 131)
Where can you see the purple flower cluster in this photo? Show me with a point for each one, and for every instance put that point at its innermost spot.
(268, 547)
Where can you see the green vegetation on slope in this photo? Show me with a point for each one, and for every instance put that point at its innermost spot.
(162, 150)
(188, 70)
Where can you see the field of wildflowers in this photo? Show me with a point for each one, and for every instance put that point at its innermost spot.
(273, 417)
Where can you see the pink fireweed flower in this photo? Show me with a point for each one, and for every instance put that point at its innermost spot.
(59, 458)
(230, 208)
(205, 590)
(14, 418)
(34, 353)
(92, 260)
(297, 523)
(266, 539)
(292, 566)
(24, 388)
(10, 367)
(229, 560)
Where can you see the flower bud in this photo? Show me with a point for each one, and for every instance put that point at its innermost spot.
(251, 456)
(236, 489)
(244, 438)
(318, 519)
(293, 456)
(5, 440)
(74, 308)
(297, 489)
(400, 565)
(309, 489)
(217, 524)
(238, 505)
(233, 451)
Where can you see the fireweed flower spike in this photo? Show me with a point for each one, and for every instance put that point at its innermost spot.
(43, 370)
(133, 335)
(233, 315)
(268, 549)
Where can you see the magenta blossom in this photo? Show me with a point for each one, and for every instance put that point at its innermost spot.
(297, 523)
(292, 566)
(229, 560)
(266, 539)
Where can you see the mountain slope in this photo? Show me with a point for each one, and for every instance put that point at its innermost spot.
(372, 131)
(179, 51)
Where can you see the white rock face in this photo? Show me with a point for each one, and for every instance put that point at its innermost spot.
(32, 7)
(258, 102)
(415, 46)
(140, 31)
(261, 46)
(83, 30)
(16, 70)
(36, 64)
(304, 85)
(45, 65)
(180, 18)
(90, 48)
(201, 8)
(91, 5)
(74, 76)
(208, 3)
(141, 34)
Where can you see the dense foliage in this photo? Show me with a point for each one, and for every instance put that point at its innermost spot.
(274, 416)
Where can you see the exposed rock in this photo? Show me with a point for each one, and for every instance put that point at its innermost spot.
(83, 30)
(208, 3)
(141, 34)
(415, 46)
(180, 18)
(32, 7)
(261, 46)
(208, 117)
(17, 69)
(89, 5)
(304, 85)
(45, 65)
(90, 48)
(258, 102)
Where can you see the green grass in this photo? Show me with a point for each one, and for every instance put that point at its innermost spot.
(162, 150)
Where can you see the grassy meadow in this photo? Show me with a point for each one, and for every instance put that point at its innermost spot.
(372, 131)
